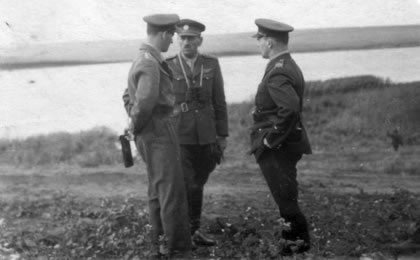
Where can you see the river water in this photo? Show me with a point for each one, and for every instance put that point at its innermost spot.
(74, 98)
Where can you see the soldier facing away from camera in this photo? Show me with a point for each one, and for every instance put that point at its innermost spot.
(278, 138)
(203, 127)
(149, 101)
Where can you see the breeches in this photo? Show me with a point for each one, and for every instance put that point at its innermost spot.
(197, 164)
(166, 189)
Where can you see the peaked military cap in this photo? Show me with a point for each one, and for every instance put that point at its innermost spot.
(162, 20)
(190, 27)
(267, 27)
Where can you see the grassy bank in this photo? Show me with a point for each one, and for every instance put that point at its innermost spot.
(348, 111)
(90, 148)
(342, 113)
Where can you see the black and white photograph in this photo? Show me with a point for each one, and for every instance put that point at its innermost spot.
(271, 129)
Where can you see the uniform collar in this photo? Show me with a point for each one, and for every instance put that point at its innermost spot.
(163, 66)
(198, 63)
(279, 54)
(152, 50)
(190, 62)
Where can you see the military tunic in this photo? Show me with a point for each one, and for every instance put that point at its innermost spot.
(205, 100)
(200, 96)
(150, 101)
(277, 119)
(278, 106)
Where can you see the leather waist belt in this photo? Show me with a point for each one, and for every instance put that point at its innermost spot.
(185, 107)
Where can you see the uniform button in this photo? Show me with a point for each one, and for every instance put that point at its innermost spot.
(196, 111)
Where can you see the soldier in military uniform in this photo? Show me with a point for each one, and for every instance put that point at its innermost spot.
(149, 101)
(203, 127)
(278, 138)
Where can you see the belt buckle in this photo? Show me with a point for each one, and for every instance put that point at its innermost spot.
(184, 107)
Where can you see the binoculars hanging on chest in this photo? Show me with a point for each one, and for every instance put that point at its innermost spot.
(198, 94)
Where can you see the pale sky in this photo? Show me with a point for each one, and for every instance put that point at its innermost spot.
(36, 21)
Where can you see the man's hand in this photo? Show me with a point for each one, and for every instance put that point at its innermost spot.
(221, 142)
(129, 130)
(218, 148)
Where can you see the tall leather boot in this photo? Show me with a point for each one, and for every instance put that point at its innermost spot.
(196, 203)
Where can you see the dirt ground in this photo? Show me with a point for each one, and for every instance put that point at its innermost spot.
(350, 188)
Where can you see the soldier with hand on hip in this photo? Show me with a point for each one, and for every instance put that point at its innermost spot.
(203, 127)
(278, 137)
(150, 102)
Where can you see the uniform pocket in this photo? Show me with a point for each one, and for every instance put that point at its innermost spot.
(208, 76)
(207, 80)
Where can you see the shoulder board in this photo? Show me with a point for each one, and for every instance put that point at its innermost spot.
(149, 56)
(279, 64)
(208, 56)
(171, 57)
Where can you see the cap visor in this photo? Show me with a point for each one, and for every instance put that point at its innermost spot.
(188, 34)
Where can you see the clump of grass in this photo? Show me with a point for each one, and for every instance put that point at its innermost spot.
(401, 165)
(240, 120)
(412, 139)
(87, 149)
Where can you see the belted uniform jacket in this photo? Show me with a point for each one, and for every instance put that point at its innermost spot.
(149, 98)
(202, 100)
(278, 107)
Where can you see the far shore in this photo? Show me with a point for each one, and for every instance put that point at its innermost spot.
(238, 44)
(80, 62)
